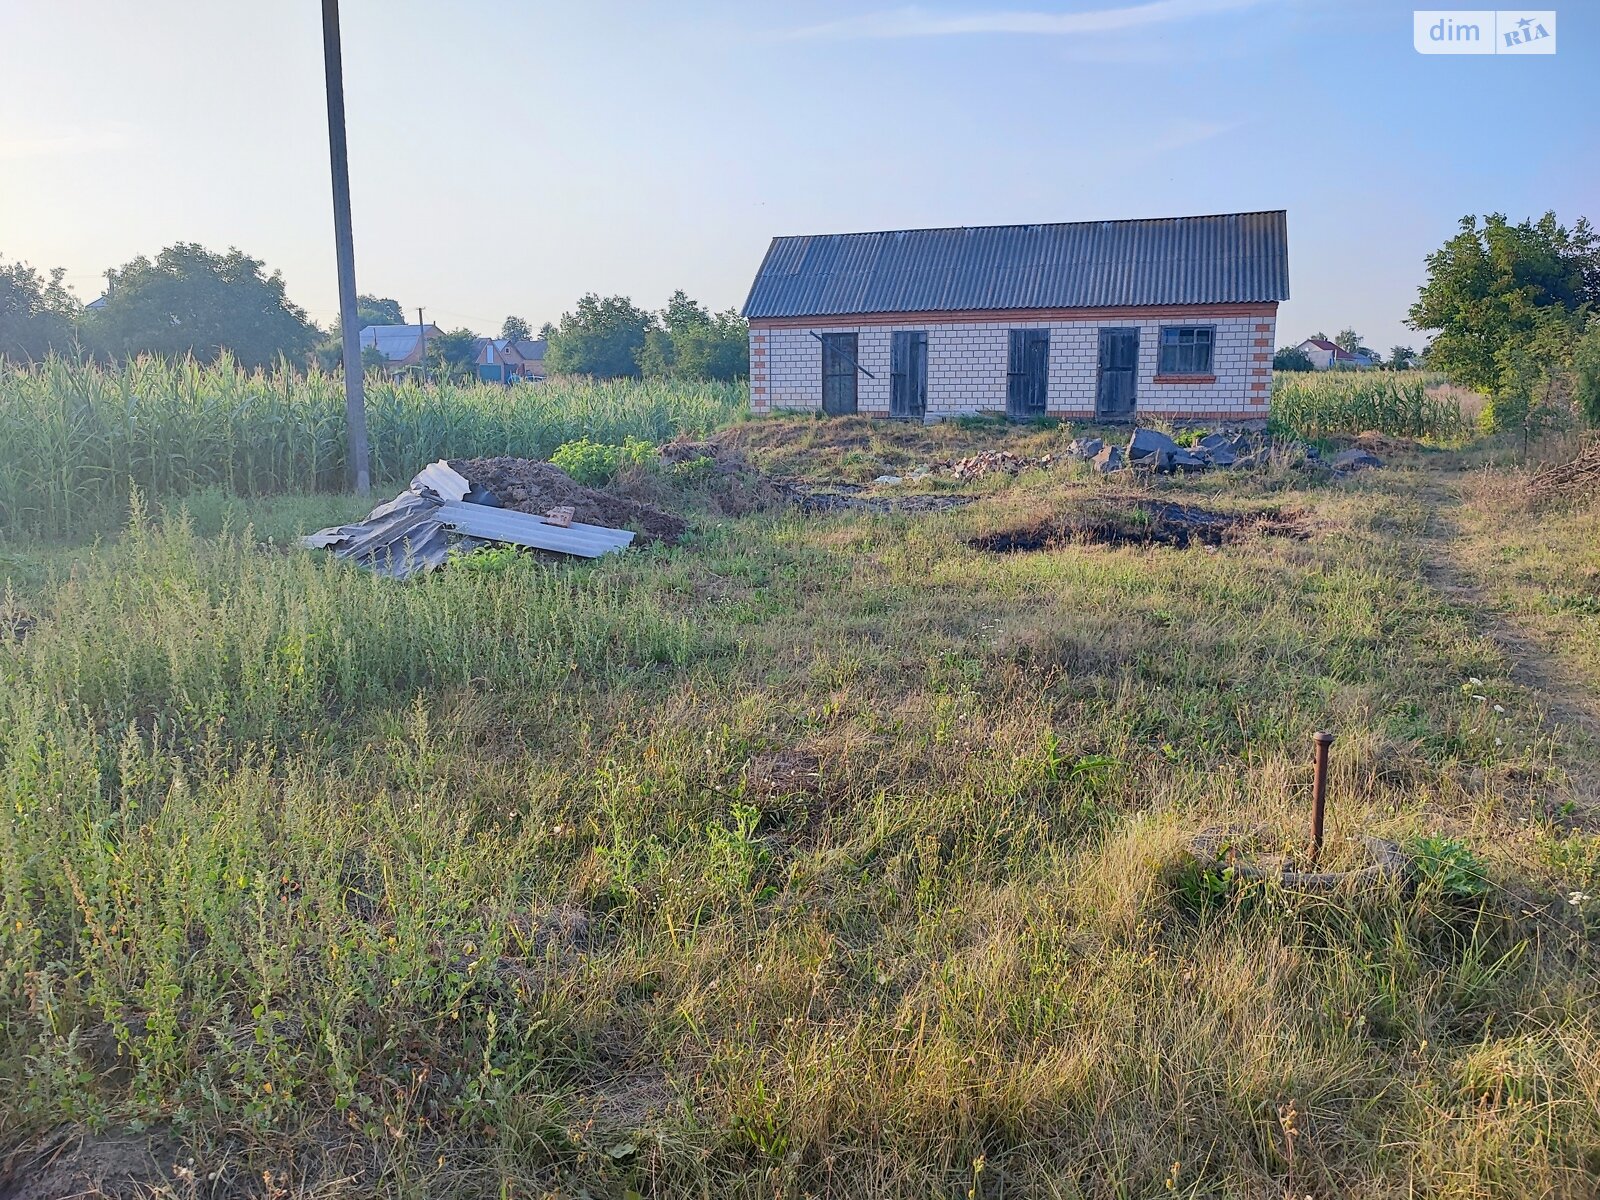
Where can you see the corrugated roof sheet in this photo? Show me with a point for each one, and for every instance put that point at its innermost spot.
(395, 341)
(1229, 258)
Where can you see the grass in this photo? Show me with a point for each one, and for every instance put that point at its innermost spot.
(77, 439)
(814, 856)
(1315, 405)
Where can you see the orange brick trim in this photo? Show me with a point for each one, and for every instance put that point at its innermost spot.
(1263, 327)
(975, 316)
(1261, 370)
(1263, 358)
(1185, 378)
(1258, 386)
(1263, 343)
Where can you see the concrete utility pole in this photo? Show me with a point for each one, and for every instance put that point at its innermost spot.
(422, 332)
(355, 400)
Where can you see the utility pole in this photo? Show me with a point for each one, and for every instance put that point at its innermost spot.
(422, 332)
(355, 401)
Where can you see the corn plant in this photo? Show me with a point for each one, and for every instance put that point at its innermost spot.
(1399, 404)
(76, 438)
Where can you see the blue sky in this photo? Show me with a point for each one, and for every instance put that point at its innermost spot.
(507, 157)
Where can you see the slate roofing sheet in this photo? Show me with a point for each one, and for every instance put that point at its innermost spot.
(1228, 258)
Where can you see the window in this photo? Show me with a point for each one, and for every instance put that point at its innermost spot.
(1186, 350)
(838, 373)
(1028, 373)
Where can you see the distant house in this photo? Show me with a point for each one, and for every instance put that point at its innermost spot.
(1324, 355)
(1109, 320)
(498, 360)
(402, 346)
(97, 305)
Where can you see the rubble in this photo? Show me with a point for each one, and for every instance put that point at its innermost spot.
(1109, 459)
(528, 486)
(445, 510)
(989, 462)
(1086, 448)
(1355, 459)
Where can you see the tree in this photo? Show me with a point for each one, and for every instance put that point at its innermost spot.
(1348, 340)
(693, 343)
(1292, 358)
(1586, 372)
(1402, 358)
(603, 338)
(192, 301)
(452, 355)
(37, 313)
(378, 310)
(515, 329)
(1492, 290)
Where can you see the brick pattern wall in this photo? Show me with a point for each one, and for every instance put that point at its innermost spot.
(967, 366)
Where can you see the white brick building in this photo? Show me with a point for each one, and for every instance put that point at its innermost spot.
(1106, 320)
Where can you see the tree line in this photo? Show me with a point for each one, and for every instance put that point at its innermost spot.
(190, 301)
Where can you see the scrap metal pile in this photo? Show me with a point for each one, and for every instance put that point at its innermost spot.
(443, 511)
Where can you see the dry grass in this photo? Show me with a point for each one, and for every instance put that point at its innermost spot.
(812, 857)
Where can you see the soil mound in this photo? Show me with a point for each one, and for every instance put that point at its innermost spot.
(524, 485)
(723, 473)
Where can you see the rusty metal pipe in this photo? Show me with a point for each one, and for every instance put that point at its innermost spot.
(1321, 740)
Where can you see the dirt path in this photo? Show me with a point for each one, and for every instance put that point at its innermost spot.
(1570, 710)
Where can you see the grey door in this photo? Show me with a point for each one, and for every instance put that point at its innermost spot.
(838, 373)
(908, 374)
(1027, 374)
(1119, 372)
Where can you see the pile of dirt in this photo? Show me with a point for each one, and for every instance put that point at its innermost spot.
(724, 473)
(1138, 523)
(1572, 480)
(523, 485)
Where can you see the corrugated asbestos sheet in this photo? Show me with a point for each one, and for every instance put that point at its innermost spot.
(1225, 259)
(519, 529)
(416, 530)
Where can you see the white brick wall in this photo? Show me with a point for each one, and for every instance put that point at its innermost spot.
(967, 366)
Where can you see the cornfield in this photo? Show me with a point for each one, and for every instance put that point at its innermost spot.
(1401, 404)
(75, 438)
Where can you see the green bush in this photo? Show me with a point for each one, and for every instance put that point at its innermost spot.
(595, 463)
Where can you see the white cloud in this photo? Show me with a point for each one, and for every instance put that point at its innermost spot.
(66, 144)
(919, 22)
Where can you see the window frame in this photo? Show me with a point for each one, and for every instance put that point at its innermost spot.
(1182, 365)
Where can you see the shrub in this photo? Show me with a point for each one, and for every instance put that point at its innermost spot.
(596, 463)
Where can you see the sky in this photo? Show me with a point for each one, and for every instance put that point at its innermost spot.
(508, 157)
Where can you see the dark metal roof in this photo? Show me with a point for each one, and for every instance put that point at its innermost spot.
(1229, 258)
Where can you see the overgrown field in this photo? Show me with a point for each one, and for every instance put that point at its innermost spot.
(1402, 404)
(74, 439)
(812, 856)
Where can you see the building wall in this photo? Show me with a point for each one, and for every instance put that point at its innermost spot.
(967, 359)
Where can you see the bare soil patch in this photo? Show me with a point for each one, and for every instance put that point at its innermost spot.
(1138, 523)
(72, 1163)
(537, 487)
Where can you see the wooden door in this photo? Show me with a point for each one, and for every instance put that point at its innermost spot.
(838, 373)
(908, 374)
(1119, 374)
(1028, 374)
